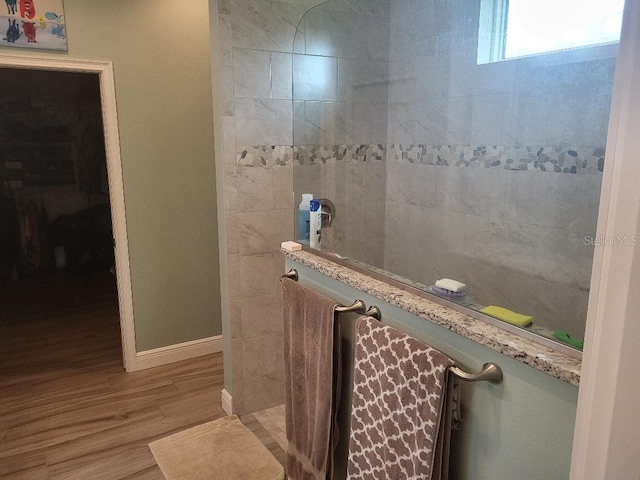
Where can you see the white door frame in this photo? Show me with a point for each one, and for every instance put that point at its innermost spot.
(607, 432)
(114, 170)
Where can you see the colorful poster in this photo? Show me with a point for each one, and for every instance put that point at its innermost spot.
(37, 24)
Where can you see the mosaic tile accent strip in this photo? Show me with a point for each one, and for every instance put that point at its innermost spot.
(265, 155)
(282, 155)
(559, 159)
(543, 158)
(309, 155)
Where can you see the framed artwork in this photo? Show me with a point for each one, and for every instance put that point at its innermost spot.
(37, 24)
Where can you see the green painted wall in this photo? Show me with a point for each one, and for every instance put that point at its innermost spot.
(161, 58)
(519, 429)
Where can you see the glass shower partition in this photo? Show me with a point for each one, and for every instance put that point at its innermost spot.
(340, 91)
(445, 159)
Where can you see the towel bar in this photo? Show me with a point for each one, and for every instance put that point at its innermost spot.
(490, 371)
(356, 307)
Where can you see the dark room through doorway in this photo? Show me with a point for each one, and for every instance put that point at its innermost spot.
(56, 239)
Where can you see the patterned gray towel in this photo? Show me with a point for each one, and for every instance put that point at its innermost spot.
(400, 389)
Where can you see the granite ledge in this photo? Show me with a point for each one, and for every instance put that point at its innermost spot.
(557, 364)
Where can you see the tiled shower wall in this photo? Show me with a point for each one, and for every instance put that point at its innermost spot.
(255, 50)
(356, 185)
(256, 53)
(502, 162)
(340, 120)
(516, 237)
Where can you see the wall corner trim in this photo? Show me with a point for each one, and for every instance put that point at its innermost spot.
(178, 352)
(226, 402)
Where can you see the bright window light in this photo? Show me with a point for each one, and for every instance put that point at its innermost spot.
(517, 28)
(547, 25)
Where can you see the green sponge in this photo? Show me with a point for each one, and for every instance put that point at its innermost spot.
(508, 316)
(566, 338)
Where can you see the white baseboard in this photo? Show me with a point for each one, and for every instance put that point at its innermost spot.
(227, 402)
(178, 352)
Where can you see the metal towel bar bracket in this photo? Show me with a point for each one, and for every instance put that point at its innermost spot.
(374, 312)
(291, 274)
(490, 371)
(359, 307)
(356, 307)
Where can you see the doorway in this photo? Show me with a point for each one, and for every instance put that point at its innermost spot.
(62, 171)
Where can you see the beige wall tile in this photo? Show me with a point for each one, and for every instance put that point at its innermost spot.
(235, 304)
(231, 187)
(226, 90)
(237, 370)
(282, 183)
(262, 232)
(259, 356)
(281, 82)
(229, 139)
(279, 270)
(232, 231)
(554, 255)
(261, 315)
(264, 25)
(263, 121)
(251, 73)
(233, 275)
(225, 38)
(262, 392)
(256, 275)
(315, 78)
(256, 189)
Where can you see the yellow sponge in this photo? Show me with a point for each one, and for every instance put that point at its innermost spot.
(508, 316)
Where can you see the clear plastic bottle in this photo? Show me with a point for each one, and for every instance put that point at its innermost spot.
(304, 218)
(316, 224)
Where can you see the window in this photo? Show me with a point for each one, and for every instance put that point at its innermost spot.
(517, 28)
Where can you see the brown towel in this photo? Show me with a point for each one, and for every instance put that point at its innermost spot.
(311, 376)
(400, 385)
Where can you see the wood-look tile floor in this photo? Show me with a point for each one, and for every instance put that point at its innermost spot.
(268, 432)
(69, 411)
(273, 421)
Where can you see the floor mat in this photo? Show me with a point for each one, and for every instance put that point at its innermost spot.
(222, 449)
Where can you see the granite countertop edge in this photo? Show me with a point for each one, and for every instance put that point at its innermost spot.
(538, 356)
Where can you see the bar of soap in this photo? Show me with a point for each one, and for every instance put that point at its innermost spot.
(291, 246)
(451, 285)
